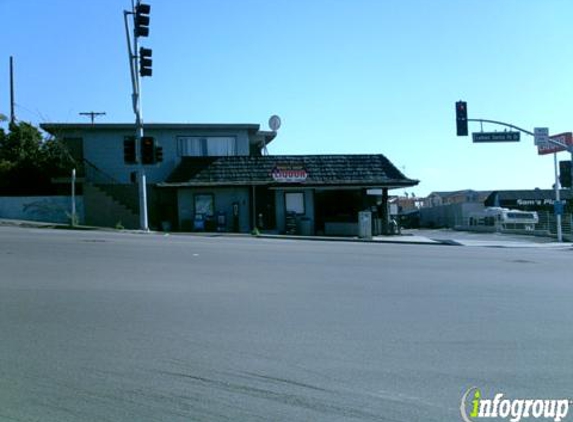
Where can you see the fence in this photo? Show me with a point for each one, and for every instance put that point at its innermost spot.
(548, 223)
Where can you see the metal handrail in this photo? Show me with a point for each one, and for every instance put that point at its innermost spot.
(101, 172)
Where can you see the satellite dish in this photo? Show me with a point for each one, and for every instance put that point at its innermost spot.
(274, 122)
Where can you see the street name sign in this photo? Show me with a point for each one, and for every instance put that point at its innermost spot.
(495, 136)
(565, 139)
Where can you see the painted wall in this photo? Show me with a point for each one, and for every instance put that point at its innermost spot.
(104, 149)
(308, 210)
(223, 201)
(50, 209)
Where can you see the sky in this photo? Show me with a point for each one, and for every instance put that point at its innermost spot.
(345, 76)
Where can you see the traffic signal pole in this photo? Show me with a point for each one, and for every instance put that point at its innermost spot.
(463, 131)
(136, 100)
(142, 179)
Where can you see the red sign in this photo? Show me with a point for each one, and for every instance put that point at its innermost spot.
(289, 174)
(549, 148)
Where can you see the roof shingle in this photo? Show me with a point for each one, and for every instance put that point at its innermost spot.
(334, 170)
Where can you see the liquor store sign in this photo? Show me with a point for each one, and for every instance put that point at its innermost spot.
(289, 174)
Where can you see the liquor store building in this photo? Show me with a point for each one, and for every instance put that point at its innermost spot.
(310, 194)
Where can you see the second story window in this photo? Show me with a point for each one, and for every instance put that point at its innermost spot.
(212, 146)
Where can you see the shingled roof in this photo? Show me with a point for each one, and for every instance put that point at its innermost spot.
(331, 170)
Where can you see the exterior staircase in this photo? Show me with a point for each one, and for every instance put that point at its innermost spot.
(104, 210)
(108, 202)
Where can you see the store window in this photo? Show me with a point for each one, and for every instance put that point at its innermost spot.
(204, 205)
(294, 202)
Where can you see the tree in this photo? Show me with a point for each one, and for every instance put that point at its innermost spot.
(28, 162)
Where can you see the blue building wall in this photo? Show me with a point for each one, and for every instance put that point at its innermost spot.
(224, 198)
(104, 149)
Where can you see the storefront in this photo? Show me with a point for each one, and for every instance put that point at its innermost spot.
(317, 194)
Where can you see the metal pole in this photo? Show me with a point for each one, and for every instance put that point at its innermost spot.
(551, 141)
(254, 208)
(142, 178)
(557, 199)
(497, 122)
(136, 98)
(138, 136)
(73, 197)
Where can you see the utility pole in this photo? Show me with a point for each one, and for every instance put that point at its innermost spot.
(12, 113)
(140, 65)
(92, 114)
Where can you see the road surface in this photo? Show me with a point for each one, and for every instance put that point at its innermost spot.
(98, 326)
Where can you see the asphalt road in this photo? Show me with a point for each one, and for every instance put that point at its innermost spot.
(99, 326)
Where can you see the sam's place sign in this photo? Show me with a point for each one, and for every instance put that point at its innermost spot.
(289, 174)
(537, 201)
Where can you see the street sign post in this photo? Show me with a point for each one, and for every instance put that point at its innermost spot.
(545, 145)
(495, 137)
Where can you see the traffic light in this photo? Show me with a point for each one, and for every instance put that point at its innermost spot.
(129, 150)
(462, 118)
(141, 20)
(147, 150)
(145, 61)
(158, 154)
(565, 174)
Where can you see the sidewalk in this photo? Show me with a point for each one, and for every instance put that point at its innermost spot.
(408, 237)
(492, 240)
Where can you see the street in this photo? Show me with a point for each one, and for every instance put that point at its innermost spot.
(104, 326)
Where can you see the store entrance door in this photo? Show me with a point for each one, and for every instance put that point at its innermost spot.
(265, 208)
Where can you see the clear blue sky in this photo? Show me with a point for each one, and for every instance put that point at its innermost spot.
(346, 76)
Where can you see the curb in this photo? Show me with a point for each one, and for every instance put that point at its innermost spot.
(357, 240)
(62, 226)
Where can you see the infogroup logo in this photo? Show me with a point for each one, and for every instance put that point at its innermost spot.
(474, 407)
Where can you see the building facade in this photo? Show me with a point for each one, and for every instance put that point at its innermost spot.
(217, 177)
